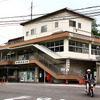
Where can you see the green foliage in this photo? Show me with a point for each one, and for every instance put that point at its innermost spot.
(95, 31)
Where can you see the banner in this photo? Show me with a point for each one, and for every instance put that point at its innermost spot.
(67, 64)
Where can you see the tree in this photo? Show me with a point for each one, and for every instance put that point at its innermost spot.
(95, 31)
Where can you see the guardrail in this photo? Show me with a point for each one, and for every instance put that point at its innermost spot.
(45, 61)
(40, 58)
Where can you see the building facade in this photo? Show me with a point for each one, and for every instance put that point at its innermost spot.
(59, 44)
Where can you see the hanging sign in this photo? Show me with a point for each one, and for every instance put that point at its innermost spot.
(22, 62)
(67, 64)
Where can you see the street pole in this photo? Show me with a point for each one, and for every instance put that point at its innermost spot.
(44, 76)
(31, 9)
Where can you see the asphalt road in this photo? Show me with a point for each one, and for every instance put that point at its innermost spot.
(29, 91)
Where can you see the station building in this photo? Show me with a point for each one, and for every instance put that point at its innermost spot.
(59, 44)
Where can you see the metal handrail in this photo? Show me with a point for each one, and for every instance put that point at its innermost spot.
(48, 64)
(72, 72)
(40, 58)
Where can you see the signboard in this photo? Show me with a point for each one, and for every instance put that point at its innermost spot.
(23, 76)
(71, 34)
(22, 62)
(62, 69)
(67, 64)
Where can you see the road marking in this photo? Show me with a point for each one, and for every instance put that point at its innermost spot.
(63, 99)
(43, 98)
(16, 98)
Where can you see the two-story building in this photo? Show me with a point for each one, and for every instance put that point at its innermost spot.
(59, 43)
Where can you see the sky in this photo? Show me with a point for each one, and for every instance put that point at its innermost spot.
(9, 8)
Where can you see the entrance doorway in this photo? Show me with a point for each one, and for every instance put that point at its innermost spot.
(41, 75)
(27, 74)
(3, 73)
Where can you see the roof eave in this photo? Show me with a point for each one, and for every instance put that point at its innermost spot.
(64, 9)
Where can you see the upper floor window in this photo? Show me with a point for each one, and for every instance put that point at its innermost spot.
(72, 23)
(80, 47)
(27, 33)
(56, 46)
(43, 28)
(95, 50)
(56, 24)
(79, 25)
(33, 31)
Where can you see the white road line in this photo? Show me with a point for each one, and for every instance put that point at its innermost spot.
(63, 99)
(16, 98)
(43, 98)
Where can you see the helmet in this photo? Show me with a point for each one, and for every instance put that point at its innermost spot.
(88, 70)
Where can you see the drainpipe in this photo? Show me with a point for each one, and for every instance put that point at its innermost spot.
(7, 75)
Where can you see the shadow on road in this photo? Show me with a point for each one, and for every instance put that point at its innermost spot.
(96, 96)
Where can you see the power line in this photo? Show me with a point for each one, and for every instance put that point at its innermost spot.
(14, 17)
(46, 13)
(15, 21)
(65, 18)
(42, 14)
(62, 18)
(90, 11)
(87, 8)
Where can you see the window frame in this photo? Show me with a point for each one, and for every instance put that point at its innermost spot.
(33, 31)
(27, 33)
(72, 23)
(78, 47)
(43, 28)
(55, 48)
(56, 24)
(95, 50)
(79, 25)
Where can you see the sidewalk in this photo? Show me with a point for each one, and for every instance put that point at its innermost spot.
(46, 84)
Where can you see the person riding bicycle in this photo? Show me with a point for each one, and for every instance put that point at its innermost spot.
(88, 76)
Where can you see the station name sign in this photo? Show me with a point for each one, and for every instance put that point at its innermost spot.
(81, 36)
(22, 62)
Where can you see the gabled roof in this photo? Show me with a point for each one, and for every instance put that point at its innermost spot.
(57, 12)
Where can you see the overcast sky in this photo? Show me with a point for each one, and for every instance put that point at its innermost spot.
(22, 7)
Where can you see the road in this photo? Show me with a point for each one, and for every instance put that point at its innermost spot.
(32, 91)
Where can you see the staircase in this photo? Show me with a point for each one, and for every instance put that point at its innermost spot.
(48, 64)
(55, 70)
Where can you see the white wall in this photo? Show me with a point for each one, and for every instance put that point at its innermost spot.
(63, 26)
(68, 54)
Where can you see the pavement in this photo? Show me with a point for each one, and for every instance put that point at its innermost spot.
(40, 91)
(63, 85)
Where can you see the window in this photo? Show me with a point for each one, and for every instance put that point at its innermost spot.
(72, 23)
(56, 24)
(11, 72)
(57, 46)
(79, 25)
(80, 47)
(33, 31)
(95, 50)
(44, 29)
(27, 33)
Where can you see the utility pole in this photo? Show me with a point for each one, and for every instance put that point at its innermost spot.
(31, 9)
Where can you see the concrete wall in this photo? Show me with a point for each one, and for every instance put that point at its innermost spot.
(63, 26)
(75, 55)
(98, 73)
(80, 67)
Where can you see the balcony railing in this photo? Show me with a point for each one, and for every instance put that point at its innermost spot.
(40, 58)
(48, 63)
